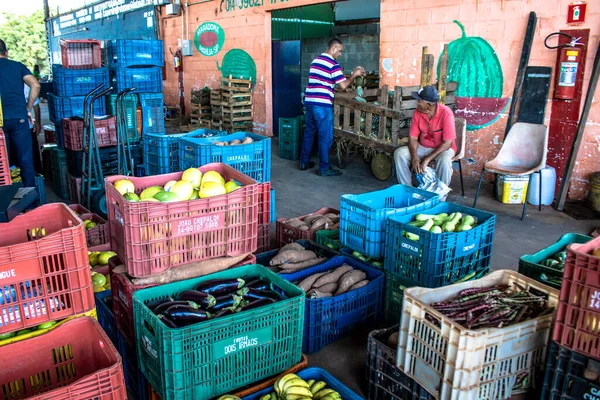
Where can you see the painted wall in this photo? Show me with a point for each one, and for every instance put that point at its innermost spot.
(407, 26)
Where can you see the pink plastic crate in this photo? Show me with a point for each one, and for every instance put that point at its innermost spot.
(106, 132)
(81, 54)
(153, 237)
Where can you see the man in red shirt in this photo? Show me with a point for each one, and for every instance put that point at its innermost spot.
(432, 137)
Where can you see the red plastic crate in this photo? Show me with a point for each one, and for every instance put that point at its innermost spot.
(74, 361)
(578, 319)
(264, 207)
(264, 238)
(79, 209)
(106, 132)
(288, 234)
(81, 54)
(154, 237)
(43, 279)
(122, 291)
(49, 134)
(99, 234)
(74, 185)
(4, 164)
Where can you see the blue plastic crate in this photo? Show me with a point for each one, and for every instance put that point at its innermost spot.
(317, 374)
(134, 378)
(144, 79)
(130, 102)
(253, 159)
(59, 138)
(153, 113)
(67, 107)
(331, 318)
(39, 185)
(273, 216)
(140, 171)
(77, 82)
(437, 260)
(130, 53)
(108, 159)
(362, 216)
(161, 153)
(106, 318)
(322, 251)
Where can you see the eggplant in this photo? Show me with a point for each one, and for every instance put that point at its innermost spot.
(255, 294)
(258, 284)
(167, 321)
(184, 315)
(165, 306)
(225, 311)
(155, 303)
(278, 290)
(219, 287)
(229, 300)
(202, 299)
(257, 303)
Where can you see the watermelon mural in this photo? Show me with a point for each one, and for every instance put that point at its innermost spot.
(473, 63)
(238, 64)
(209, 39)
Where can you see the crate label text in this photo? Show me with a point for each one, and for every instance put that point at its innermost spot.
(244, 157)
(595, 300)
(410, 248)
(198, 224)
(123, 297)
(232, 345)
(594, 394)
(8, 274)
(467, 247)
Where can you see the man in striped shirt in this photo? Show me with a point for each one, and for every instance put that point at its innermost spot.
(324, 74)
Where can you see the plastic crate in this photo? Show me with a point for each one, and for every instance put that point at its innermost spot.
(196, 362)
(60, 184)
(74, 189)
(37, 270)
(565, 375)
(99, 234)
(152, 117)
(288, 234)
(58, 135)
(331, 318)
(265, 257)
(39, 185)
(289, 150)
(130, 103)
(273, 216)
(78, 209)
(132, 53)
(316, 374)
(363, 216)
(144, 79)
(329, 239)
(264, 207)
(136, 383)
(70, 82)
(106, 318)
(290, 129)
(106, 132)
(579, 309)
(75, 360)
(386, 381)
(49, 134)
(81, 54)
(263, 241)
(108, 159)
(60, 108)
(530, 264)
(269, 382)
(453, 362)
(161, 153)
(439, 259)
(253, 159)
(4, 163)
(372, 262)
(154, 237)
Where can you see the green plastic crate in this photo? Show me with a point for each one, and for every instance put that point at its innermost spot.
(290, 129)
(329, 239)
(130, 104)
(529, 264)
(289, 150)
(210, 358)
(58, 162)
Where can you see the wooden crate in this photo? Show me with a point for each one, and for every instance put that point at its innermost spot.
(232, 84)
(200, 110)
(215, 97)
(236, 99)
(201, 123)
(201, 97)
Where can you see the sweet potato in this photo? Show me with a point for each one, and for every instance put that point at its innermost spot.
(328, 288)
(303, 227)
(219, 144)
(348, 280)
(317, 294)
(289, 267)
(235, 141)
(358, 285)
(247, 140)
(332, 216)
(393, 340)
(291, 246)
(294, 222)
(320, 223)
(307, 283)
(333, 276)
(333, 227)
(310, 218)
(292, 256)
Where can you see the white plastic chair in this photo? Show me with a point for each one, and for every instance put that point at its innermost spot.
(523, 153)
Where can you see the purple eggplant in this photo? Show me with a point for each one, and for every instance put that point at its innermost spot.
(258, 284)
(165, 306)
(225, 311)
(229, 300)
(257, 303)
(255, 294)
(167, 321)
(202, 299)
(219, 287)
(184, 315)
(155, 303)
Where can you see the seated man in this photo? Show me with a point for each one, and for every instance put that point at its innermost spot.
(432, 137)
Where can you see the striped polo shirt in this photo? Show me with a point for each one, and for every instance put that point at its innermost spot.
(324, 74)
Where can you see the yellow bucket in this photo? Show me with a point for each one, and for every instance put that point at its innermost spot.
(594, 194)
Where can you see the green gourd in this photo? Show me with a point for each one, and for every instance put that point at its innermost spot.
(468, 220)
(450, 226)
(436, 229)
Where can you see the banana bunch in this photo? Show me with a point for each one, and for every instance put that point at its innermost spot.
(228, 397)
(14, 172)
(292, 387)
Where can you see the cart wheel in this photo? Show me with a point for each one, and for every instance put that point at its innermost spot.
(99, 203)
(381, 166)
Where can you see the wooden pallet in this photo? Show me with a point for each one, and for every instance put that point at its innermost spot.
(237, 99)
(201, 123)
(237, 113)
(201, 97)
(215, 97)
(236, 85)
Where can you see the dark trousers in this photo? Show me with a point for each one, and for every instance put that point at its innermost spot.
(319, 120)
(20, 149)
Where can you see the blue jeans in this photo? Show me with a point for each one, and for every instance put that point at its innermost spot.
(20, 148)
(318, 119)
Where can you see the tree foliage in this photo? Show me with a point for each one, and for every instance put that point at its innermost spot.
(25, 38)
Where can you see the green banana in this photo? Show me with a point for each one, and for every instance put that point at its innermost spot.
(315, 387)
(300, 390)
(322, 393)
(281, 382)
(294, 382)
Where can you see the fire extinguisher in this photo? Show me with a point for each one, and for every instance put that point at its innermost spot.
(570, 59)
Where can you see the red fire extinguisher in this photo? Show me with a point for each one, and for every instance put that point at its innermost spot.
(570, 59)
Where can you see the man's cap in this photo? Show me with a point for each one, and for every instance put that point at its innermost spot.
(428, 93)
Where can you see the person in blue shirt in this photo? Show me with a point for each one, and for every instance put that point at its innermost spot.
(17, 112)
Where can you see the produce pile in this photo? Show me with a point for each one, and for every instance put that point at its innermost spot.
(193, 185)
(15, 174)
(557, 261)
(46, 325)
(293, 257)
(234, 142)
(376, 262)
(213, 299)
(492, 307)
(292, 387)
(100, 281)
(313, 222)
(333, 283)
(440, 223)
(89, 224)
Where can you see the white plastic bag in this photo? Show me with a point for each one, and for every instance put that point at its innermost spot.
(430, 182)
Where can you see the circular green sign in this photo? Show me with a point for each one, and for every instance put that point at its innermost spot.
(209, 39)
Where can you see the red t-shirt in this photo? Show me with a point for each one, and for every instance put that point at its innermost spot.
(431, 133)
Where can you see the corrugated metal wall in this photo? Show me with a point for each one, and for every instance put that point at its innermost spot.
(302, 22)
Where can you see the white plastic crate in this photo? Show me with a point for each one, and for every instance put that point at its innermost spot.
(455, 363)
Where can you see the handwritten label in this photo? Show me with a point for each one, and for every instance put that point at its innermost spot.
(198, 224)
(229, 346)
(595, 300)
(118, 216)
(123, 297)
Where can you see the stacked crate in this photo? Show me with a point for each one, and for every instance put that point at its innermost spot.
(236, 104)
(201, 110)
(216, 109)
(290, 137)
